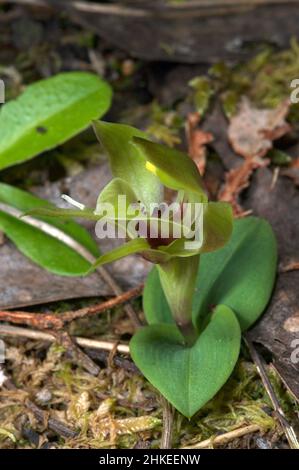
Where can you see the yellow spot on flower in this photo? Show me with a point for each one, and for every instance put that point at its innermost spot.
(150, 167)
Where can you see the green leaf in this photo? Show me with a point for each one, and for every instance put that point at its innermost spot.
(241, 275)
(188, 377)
(48, 113)
(42, 248)
(175, 169)
(126, 161)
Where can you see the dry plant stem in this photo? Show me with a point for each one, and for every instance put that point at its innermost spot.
(224, 438)
(292, 266)
(15, 331)
(117, 360)
(49, 321)
(168, 415)
(42, 416)
(102, 307)
(287, 428)
(78, 357)
(34, 320)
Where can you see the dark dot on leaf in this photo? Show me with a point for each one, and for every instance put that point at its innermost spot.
(41, 130)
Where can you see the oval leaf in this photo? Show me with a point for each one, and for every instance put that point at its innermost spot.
(48, 113)
(241, 275)
(42, 248)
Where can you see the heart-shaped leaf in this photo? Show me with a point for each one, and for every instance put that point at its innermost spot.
(58, 253)
(188, 376)
(240, 275)
(48, 113)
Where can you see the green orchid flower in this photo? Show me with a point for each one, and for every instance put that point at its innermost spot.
(173, 239)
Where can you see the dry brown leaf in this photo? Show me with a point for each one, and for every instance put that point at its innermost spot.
(252, 131)
(238, 179)
(251, 134)
(197, 141)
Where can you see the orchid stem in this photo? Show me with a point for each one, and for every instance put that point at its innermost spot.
(178, 279)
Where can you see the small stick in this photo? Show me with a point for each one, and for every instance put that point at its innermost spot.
(48, 321)
(168, 415)
(57, 426)
(8, 330)
(42, 416)
(224, 438)
(291, 266)
(287, 428)
(77, 355)
(35, 320)
(118, 360)
(121, 298)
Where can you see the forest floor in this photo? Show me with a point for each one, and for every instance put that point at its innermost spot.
(50, 400)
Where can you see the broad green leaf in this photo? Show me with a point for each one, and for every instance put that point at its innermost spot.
(126, 162)
(188, 377)
(241, 275)
(48, 113)
(42, 248)
(175, 169)
(133, 246)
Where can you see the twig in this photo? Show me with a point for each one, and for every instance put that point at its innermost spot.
(8, 330)
(118, 360)
(77, 356)
(287, 428)
(35, 320)
(102, 307)
(57, 426)
(53, 322)
(42, 416)
(291, 266)
(224, 438)
(167, 425)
